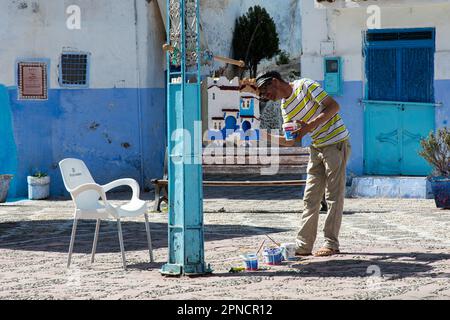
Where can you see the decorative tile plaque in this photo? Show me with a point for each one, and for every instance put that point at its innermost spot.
(32, 78)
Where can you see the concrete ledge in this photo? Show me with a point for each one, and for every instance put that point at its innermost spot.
(391, 187)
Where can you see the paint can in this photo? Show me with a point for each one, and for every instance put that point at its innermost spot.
(288, 251)
(273, 256)
(250, 261)
(288, 131)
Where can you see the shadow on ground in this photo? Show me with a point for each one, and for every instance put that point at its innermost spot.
(403, 265)
(410, 256)
(54, 235)
(254, 193)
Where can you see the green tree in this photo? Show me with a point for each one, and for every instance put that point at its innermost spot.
(255, 38)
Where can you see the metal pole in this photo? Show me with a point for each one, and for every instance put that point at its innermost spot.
(186, 243)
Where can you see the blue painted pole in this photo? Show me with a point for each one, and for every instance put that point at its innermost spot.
(8, 150)
(185, 223)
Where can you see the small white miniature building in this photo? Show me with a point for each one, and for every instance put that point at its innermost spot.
(233, 109)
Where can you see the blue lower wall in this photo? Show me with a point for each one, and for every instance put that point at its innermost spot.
(442, 94)
(100, 126)
(353, 115)
(352, 112)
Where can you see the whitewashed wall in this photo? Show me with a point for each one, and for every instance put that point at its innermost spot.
(321, 25)
(37, 29)
(219, 16)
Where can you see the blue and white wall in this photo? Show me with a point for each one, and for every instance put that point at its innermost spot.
(117, 125)
(338, 27)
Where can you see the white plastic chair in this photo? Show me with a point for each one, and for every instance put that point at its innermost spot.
(91, 203)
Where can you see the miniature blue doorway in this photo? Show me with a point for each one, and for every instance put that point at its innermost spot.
(246, 126)
(230, 123)
(399, 105)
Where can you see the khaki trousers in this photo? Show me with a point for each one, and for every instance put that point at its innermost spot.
(326, 173)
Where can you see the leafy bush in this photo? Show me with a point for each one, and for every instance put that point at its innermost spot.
(39, 174)
(436, 151)
(283, 58)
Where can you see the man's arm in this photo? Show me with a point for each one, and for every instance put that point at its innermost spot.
(277, 139)
(330, 110)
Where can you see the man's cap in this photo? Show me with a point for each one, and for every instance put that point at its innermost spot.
(266, 77)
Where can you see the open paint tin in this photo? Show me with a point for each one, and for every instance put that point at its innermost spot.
(250, 261)
(273, 256)
(288, 251)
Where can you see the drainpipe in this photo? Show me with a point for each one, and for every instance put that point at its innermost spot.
(138, 81)
(162, 10)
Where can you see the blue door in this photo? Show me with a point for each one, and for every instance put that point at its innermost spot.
(383, 155)
(230, 125)
(246, 126)
(399, 105)
(417, 122)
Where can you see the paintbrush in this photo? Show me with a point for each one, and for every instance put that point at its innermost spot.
(278, 245)
(260, 246)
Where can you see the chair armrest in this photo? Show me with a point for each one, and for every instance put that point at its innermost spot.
(124, 182)
(86, 187)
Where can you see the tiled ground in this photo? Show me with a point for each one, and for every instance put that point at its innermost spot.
(391, 249)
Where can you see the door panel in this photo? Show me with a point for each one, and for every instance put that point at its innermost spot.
(383, 139)
(417, 122)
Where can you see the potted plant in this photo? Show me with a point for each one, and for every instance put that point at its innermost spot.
(5, 180)
(38, 186)
(436, 150)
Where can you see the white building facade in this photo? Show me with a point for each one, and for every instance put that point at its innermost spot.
(391, 60)
(103, 89)
(233, 110)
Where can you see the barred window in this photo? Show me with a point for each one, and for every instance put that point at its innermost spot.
(74, 70)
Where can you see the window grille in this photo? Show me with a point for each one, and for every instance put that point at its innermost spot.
(74, 70)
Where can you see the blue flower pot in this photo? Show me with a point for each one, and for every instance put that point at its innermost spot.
(441, 191)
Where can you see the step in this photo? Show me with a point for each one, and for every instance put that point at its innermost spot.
(391, 187)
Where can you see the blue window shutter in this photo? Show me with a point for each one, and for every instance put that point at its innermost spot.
(417, 75)
(381, 65)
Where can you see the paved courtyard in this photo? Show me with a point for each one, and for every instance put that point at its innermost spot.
(391, 249)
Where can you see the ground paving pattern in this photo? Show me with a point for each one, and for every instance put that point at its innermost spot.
(391, 249)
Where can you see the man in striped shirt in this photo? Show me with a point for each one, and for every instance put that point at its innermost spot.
(307, 104)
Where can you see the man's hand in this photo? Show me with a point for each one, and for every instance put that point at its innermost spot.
(275, 139)
(304, 129)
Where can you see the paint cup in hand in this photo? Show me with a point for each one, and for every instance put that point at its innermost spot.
(288, 131)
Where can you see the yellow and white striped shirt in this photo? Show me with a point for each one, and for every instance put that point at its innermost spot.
(305, 105)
